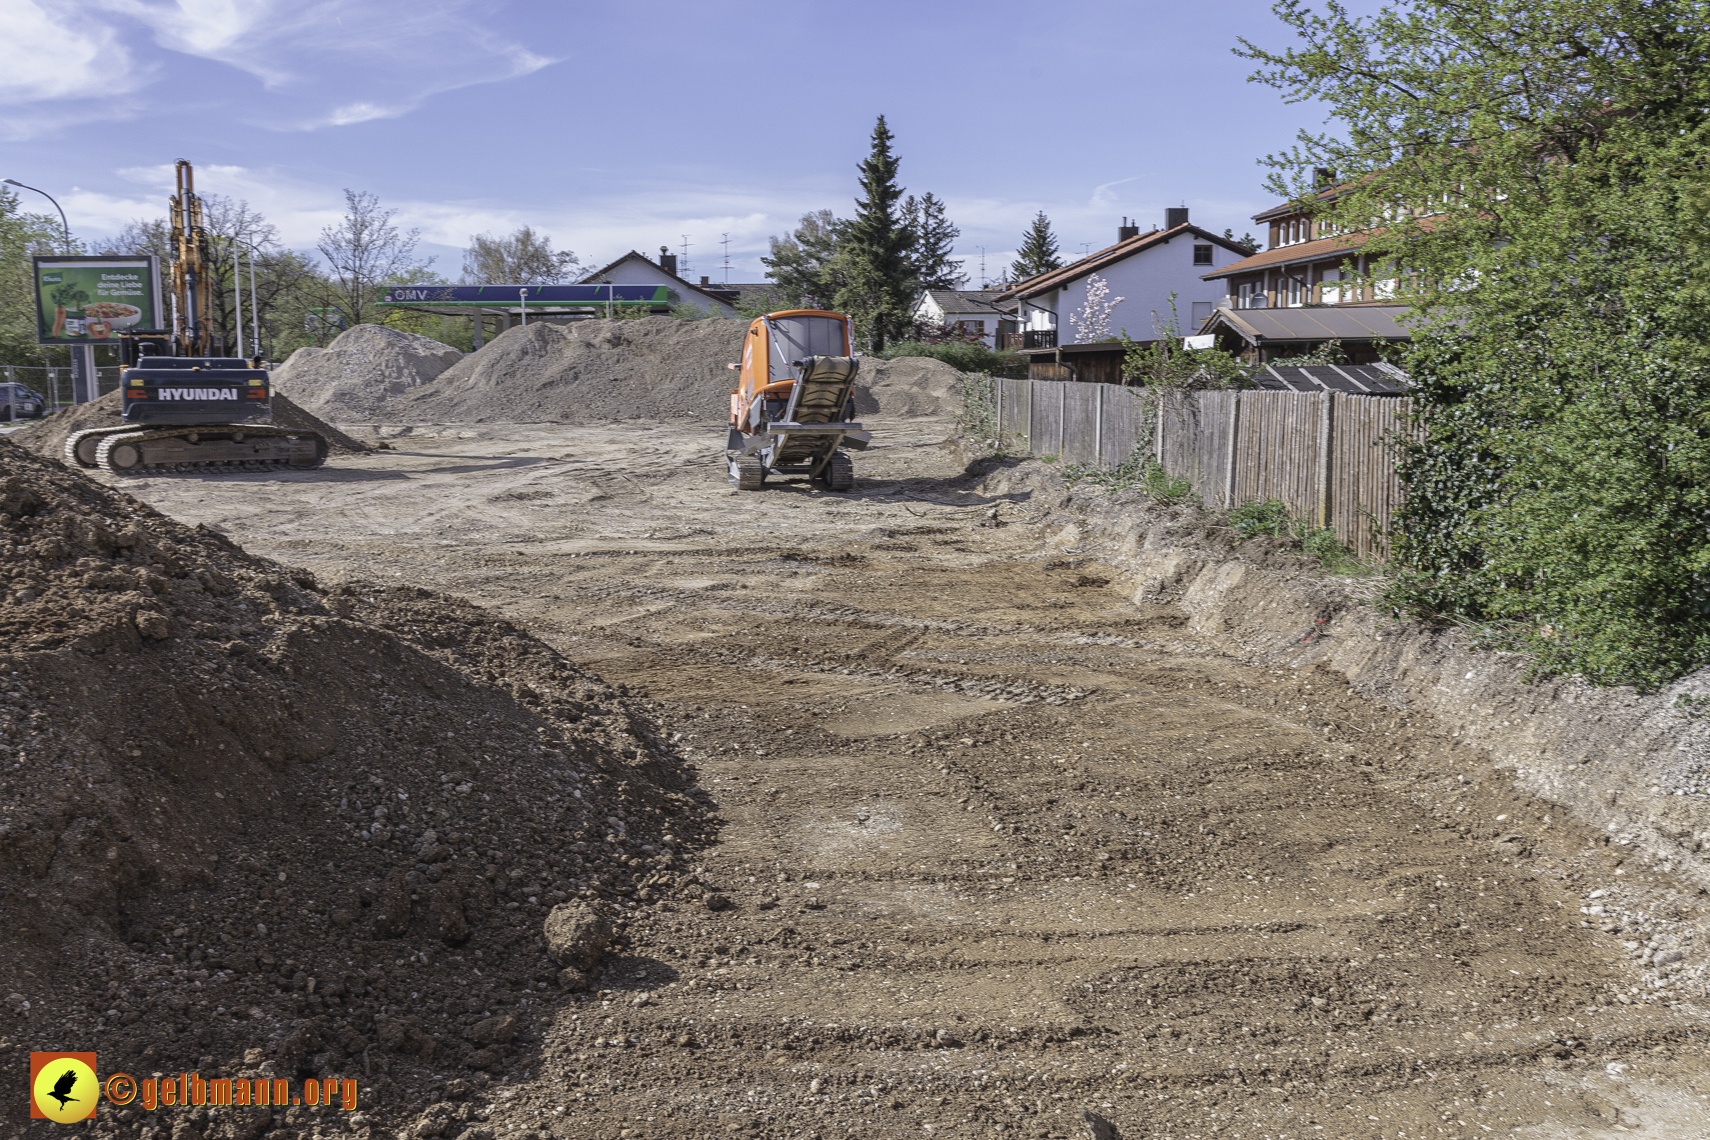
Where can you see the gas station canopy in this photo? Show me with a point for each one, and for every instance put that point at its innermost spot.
(526, 300)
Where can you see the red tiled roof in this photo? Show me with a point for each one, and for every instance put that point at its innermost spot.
(1316, 250)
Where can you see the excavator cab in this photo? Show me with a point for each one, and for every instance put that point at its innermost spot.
(793, 409)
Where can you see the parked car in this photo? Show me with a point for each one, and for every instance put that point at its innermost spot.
(20, 403)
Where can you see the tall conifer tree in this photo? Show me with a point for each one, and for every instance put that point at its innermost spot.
(1038, 252)
(880, 278)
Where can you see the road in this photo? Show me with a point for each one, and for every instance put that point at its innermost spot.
(1000, 845)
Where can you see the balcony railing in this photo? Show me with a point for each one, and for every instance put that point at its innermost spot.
(1039, 338)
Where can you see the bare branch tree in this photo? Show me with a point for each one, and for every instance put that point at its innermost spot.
(364, 250)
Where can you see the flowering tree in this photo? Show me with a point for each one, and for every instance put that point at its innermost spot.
(1092, 323)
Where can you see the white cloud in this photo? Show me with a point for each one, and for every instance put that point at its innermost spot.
(57, 67)
(322, 63)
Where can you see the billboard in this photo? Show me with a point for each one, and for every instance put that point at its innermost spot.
(88, 300)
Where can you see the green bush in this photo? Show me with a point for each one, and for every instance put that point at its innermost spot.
(1140, 470)
(964, 357)
(1269, 518)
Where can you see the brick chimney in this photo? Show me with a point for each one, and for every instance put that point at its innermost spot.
(1175, 216)
(667, 259)
(1127, 230)
(704, 281)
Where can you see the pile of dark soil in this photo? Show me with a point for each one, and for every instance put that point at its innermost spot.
(47, 437)
(361, 369)
(251, 825)
(655, 368)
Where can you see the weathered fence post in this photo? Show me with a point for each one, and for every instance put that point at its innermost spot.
(1229, 457)
(1325, 428)
(1062, 415)
(1098, 428)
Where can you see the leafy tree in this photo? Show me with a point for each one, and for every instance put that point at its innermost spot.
(1038, 253)
(364, 250)
(877, 284)
(932, 240)
(805, 265)
(520, 258)
(1525, 176)
(23, 236)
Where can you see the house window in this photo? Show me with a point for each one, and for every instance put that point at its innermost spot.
(1201, 310)
(1202, 255)
(1293, 291)
(1244, 298)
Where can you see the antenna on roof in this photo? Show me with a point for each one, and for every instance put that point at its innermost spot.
(725, 241)
(983, 281)
(684, 270)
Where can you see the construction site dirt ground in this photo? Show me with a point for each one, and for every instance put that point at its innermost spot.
(998, 846)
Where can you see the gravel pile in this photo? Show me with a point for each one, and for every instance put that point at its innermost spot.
(354, 376)
(47, 437)
(251, 825)
(656, 368)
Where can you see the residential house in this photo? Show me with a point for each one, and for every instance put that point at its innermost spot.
(634, 269)
(1145, 270)
(1304, 270)
(972, 312)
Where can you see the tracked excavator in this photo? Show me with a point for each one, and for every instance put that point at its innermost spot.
(793, 410)
(182, 408)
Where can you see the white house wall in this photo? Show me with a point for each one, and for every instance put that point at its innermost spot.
(640, 271)
(1145, 282)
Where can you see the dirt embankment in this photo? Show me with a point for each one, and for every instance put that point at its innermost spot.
(47, 437)
(254, 826)
(1635, 766)
(361, 370)
(656, 368)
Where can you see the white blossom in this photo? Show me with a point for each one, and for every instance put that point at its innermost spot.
(1092, 323)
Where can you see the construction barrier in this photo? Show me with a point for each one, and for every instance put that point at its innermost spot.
(1330, 456)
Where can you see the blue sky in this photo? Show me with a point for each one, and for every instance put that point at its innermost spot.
(619, 126)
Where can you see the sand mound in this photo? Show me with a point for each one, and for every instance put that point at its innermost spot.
(47, 437)
(359, 371)
(915, 386)
(657, 368)
(241, 811)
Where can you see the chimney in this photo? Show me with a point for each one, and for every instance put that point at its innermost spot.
(1323, 178)
(1127, 230)
(1175, 216)
(704, 281)
(667, 259)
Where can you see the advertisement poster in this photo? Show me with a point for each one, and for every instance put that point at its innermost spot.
(89, 300)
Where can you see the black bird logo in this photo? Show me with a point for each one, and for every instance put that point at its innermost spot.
(62, 1087)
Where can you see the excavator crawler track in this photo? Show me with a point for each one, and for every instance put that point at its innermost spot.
(80, 446)
(140, 450)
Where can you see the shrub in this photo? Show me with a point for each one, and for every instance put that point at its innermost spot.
(963, 356)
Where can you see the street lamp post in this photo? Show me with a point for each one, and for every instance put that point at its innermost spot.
(83, 383)
(62, 222)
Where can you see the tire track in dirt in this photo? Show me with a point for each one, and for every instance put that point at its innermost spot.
(1198, 897)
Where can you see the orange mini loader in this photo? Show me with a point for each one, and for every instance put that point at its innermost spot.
(792, 413)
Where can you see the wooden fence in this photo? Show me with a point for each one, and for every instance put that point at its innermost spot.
(1328, 455)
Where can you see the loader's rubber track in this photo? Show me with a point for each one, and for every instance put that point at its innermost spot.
(125, 451)
(840, 473)
(747, 473)
(80, 446)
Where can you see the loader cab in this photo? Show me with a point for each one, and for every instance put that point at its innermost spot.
(774, 342)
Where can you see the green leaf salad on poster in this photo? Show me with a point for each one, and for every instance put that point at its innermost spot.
(90, 300)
